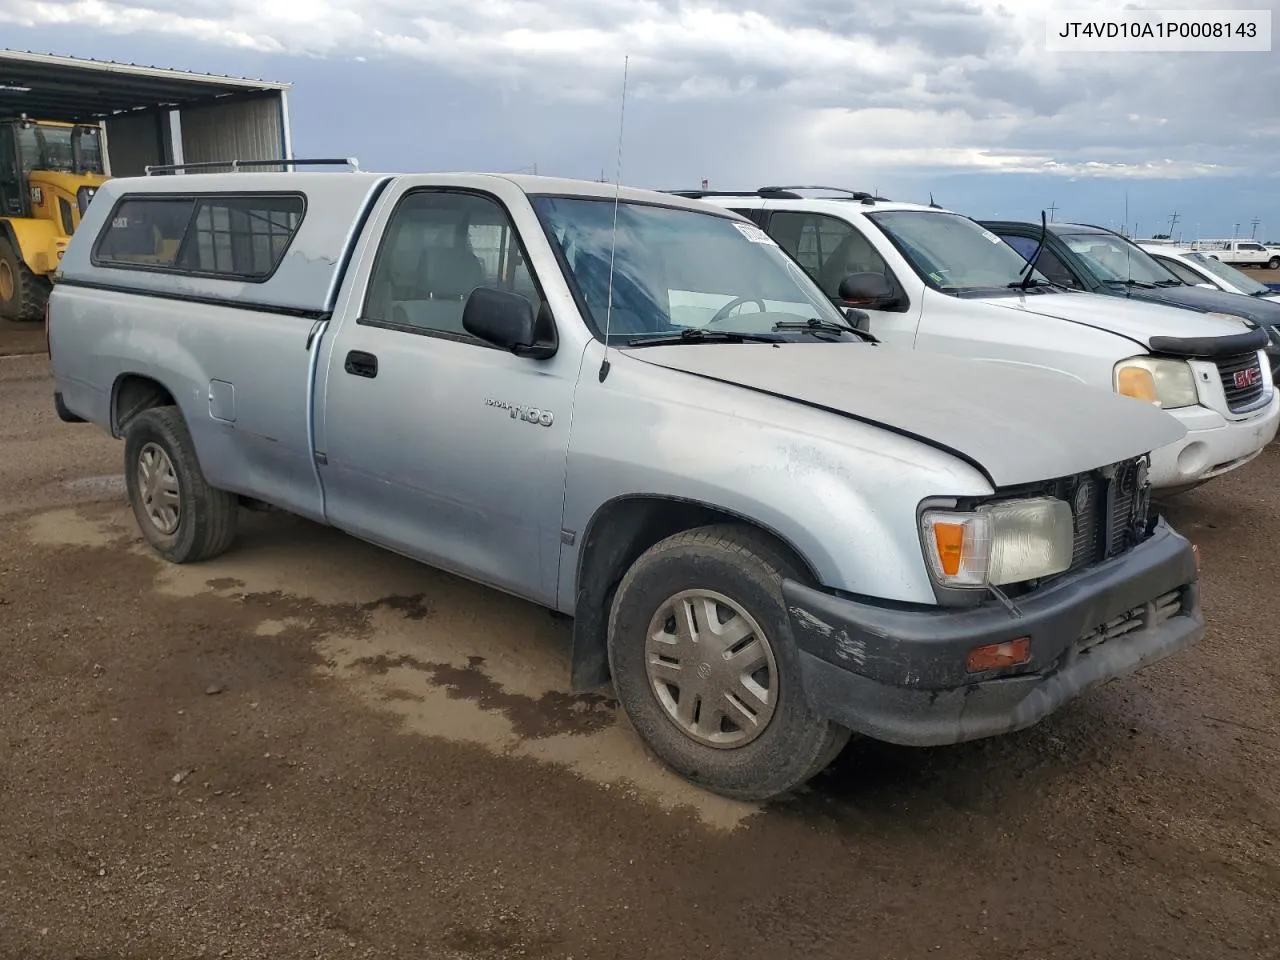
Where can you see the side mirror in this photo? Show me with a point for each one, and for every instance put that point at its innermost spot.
(866, 290)
(1207, 286)
(858, 319)
(507, 320)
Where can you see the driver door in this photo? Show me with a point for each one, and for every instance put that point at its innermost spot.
(829, 249)
(13, 200)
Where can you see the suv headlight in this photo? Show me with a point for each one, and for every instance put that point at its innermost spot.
(1168, 384)
(998, 543)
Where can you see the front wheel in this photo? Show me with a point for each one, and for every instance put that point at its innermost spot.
(183, 518)
(22, 293)
(706, 669)
(1273, 263)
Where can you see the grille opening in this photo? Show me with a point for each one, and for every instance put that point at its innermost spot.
(1164, 607)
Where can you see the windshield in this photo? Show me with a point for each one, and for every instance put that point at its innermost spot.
(1115, 260)
(676, 270)
(953, 253)
(46, 147)
(1241, 281)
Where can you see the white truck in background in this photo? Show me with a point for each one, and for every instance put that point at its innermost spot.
(1238, 252)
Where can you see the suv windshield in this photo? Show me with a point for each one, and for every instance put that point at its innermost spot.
(1114, 260)
(678, 270)
(46, 147)
(953, 253)
(1241, 281)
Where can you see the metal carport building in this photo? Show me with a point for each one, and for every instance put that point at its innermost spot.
(152, 115)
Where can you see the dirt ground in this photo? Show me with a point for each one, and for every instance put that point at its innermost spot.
(311, 748)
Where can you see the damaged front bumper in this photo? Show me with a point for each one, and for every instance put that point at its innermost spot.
(900, 675)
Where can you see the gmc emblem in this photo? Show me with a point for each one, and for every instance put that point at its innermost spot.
(1247, 378)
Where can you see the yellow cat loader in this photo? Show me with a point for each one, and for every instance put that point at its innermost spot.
(48, 174)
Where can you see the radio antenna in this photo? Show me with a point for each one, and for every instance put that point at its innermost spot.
(613, 240)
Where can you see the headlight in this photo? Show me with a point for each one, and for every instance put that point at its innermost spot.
(998, 543)
(1168, 384)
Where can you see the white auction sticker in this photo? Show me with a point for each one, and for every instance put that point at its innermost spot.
(753, 233)
(1158, 31)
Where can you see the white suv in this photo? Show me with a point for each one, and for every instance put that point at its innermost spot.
(931, 279)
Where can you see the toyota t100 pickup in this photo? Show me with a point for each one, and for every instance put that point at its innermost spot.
(634, 409)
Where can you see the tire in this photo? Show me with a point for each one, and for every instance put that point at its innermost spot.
(22, 293)
(718, 568)
(1273, 263)
(201, 523)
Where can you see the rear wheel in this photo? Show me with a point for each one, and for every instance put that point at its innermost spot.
(22, 293)
(183, 518)
(706, 669)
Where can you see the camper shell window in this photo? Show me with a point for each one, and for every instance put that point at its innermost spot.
(234, 237)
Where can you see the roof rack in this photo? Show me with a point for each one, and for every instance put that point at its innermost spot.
(236, 165)
(776, 193)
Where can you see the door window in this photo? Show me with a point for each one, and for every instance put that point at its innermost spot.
(1048, 262)
(1182, 272)
(828, 248)
(13, 201)
(438, 247)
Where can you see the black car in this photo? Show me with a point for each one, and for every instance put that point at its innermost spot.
(1097, 260)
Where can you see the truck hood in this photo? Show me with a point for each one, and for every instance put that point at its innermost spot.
(1134, 319)
(1017, 426)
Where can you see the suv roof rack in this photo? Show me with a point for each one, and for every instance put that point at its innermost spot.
(235, 165)
(777, 193)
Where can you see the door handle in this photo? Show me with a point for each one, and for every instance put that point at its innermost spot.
(361, 364)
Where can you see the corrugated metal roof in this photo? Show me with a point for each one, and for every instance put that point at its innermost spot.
(50, 87)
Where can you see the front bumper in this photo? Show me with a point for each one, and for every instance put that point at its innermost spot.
(1213, 445)
(899, 675)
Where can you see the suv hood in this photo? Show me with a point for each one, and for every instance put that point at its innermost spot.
(1199, 298)
(1017, 426)
(1133, 319)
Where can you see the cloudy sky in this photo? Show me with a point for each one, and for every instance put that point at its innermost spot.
(954, 97)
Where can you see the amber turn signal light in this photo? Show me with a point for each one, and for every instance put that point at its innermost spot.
(993, 656)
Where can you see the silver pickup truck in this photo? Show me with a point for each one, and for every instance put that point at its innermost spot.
(769, 531)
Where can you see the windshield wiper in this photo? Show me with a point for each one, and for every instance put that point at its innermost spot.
(814, 325)
(1133, 283)
(1035, 257)
(1170, 283)
(1026, 285)
(698, 335)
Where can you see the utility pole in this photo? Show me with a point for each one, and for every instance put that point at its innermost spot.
(1053, 208)
(1254, 224)
(1235, 231)
(1173, 222)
